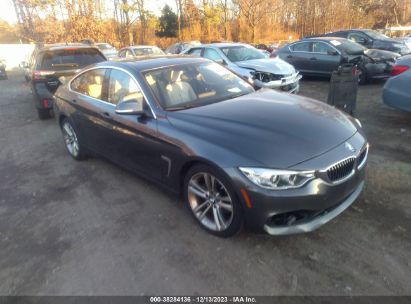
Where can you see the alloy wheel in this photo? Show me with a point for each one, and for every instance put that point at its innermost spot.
(210, 201)
(70, 139)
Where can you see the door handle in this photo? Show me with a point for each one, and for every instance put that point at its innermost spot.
(289, 56)
(105, 114)
(313, 58)
(74, 100)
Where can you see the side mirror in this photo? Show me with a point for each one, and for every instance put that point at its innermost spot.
(25, 65)
(130, 107)
(332, 52)
(221, 61)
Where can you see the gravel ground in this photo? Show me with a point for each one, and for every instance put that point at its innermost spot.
(90, 228)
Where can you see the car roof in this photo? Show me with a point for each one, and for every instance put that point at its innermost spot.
(326, 38)
(58, 46)
(152, 62)
(139, 46)
(220, 44)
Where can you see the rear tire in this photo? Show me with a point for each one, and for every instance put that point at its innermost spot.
(212, 200)
(362, 76)
(44, 114)
(71, 140)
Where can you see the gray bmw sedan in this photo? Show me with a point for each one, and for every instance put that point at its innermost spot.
(266, 160)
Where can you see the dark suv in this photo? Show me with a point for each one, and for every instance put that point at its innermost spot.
(372, 40)
(50, 65)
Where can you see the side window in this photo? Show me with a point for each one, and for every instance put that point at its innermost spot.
(129, 54)
(122, 88)
(321, 47)
(211, 54)
(122, 53)
(301, 47)
(195, 52)
(356, 37)
(90, 83)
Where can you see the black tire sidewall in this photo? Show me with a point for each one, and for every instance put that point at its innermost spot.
(238, 212)
(44, 114)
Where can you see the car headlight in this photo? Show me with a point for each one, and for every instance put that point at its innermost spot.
(358, 122)
(277, 179)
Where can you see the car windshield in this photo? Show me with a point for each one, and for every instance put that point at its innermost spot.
(70, 58)
(348, 46)
(148, 51)
(192, 85)
(242, 53)
(376, 35)
(104, 46)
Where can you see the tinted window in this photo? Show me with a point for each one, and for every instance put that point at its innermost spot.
(376, 35)
(195, 52)
(193, 85)
(122, 88)
(148, 51)
(321, 47)
(356, 37)
(301, 47)
(70, 58)
(90, 83)
(211, 54)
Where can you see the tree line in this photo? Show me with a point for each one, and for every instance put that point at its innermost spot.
(128, 22)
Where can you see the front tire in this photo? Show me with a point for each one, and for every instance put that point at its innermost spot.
(71, 140)
(212, 201)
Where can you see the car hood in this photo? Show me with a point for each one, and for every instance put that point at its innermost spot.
(380, 55)
(274, 129)
(268, 65)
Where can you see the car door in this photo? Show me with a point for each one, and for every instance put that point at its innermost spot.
(325, 59)
(300, 56)
(93, 113)
(132, 139)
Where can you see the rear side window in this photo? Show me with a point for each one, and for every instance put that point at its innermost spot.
(195, 52)
(300, 47)
(70, 59)
(321, 47)
(90, 83)
(211, 54)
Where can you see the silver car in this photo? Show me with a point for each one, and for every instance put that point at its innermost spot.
(248, 62)
(107, 49)
(397, 93)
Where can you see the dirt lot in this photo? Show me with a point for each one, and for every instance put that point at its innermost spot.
(87, 228)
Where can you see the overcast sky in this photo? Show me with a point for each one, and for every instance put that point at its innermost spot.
(8, 14)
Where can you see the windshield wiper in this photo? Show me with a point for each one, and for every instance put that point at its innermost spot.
(178, 108)
(237, 95)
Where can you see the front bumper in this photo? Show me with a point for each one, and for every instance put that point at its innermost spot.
(289, 84)
(312, 205)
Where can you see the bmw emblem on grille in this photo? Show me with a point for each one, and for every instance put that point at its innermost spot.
(349, 147)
